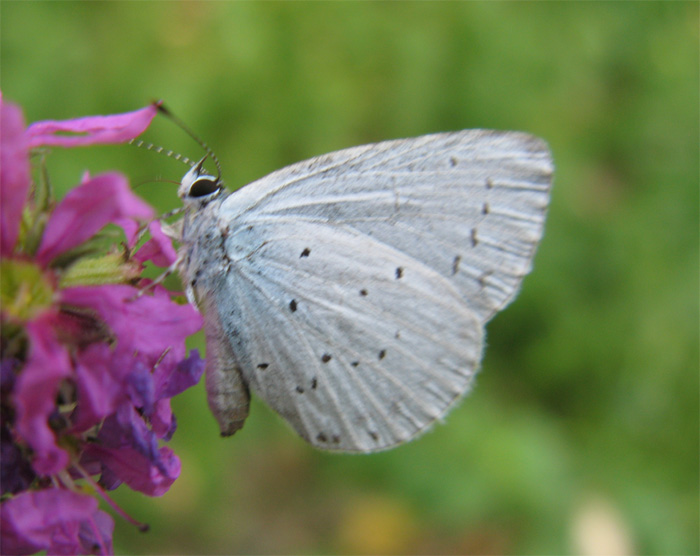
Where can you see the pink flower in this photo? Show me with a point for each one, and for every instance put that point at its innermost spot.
(91, 393)
(15, 179)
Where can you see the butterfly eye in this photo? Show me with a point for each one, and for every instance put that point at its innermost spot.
(203, 187)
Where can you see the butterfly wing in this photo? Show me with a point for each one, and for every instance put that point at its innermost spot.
(361, 280)
(355, 354)
(477, 200)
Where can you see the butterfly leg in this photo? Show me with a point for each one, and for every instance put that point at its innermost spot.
(172, 268)
(173, 232)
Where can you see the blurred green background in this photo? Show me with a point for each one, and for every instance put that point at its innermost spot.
(582, 433)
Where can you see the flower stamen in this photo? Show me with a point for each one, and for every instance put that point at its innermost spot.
(143, 527)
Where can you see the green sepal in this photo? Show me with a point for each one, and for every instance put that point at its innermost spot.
(107, 269)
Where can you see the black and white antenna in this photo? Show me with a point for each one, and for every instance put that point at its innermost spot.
(178, 122)
(160, 150)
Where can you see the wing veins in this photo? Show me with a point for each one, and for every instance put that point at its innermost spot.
(313, 357)
(261, 334)
(320, 334)
(374, 312)
(403, 324)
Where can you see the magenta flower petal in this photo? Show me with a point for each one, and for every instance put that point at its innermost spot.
(45, 520)
(148, 324)
(158, 249)
(87, 209)
(131, 228)
(35, 394)
(93, 130)
(129, 225)
(139, 472)
(14, 174)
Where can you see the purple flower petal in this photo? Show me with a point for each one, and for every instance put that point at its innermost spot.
(65, 539)
(45, 520)
(96, 534)
(101, 382)
(8, 375)
(35, 394)
(158, 249)
(14, 174)
(141, 389)
(171, 382)
(117, 128)
(108, 479)
(163, 420)
(126, 428)
(113, 433)
(137, 471)
(149, 325)
(86, 210)
(16, 472)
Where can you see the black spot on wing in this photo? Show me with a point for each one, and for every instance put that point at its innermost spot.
(293, 305)
(326, 357)
(305, 253)
(382, 354)
(363, 292)
(483, 277)
(314, 383)
(399, 272)
(263, 366)
(455, 264)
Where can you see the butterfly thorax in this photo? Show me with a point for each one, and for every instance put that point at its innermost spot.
(202, 242)
(202, 247)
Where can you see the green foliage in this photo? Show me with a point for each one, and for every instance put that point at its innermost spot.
(586, 410)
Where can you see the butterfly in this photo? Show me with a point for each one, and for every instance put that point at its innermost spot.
(350, 291)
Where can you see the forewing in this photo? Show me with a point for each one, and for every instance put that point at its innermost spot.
(470, 205)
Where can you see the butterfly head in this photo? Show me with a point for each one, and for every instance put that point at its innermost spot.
(198, 186)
